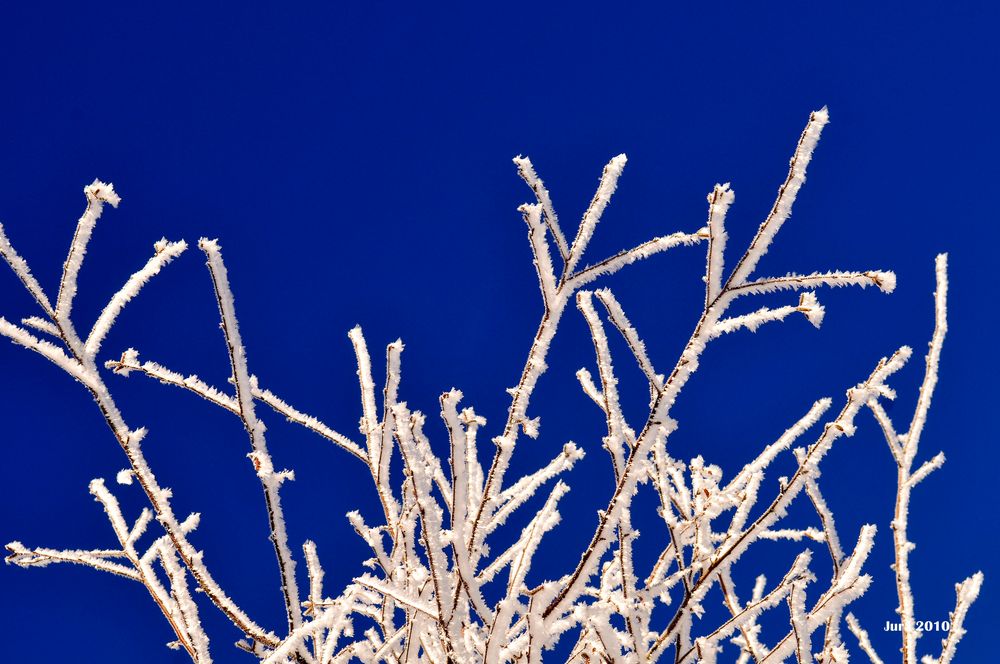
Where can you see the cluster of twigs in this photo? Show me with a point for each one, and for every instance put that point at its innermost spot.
(438, 591)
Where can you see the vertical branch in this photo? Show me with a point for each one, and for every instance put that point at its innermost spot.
(369, 421)
(98, 193)
(421, 480)
(616, 438)
(800, 623)
(933, 358)
(751, 647)
(378, 436)
(315, 570)
(269, 479)
(718, 205)
(904, 485)
(635, 622)
(460, 503)
(540, 248)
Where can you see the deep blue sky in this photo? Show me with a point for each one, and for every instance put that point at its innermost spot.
(354, 160)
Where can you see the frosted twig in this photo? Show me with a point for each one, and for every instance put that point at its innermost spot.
(554, 306)
(98, 193)
(800, 627)
(926, 469)
(617, 441)
(808, 305)
(847, 587)
(826, 518)
(884, 281)
(607, 186)
(41, 325)
(863, 641)
(269, 479)
(527, 172)
(904, 449)
(966, 593)
(618, 318)
(165, 252)
(129, 362)
(718, 205)
(20, 555)
(787, 193)
(614, 263)
(177, 606)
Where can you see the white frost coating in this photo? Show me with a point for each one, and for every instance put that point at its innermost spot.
(369, 419)
(531, 537)
(718, 205)
(617, 316)
(270, 480)
(826, 518)
(787, 193)
(23, 272)
(41, 325)
(808, 305)
(527, 172)
(165, 252)
(129, 362)
(904, 449)
(313, 605)
(447, 580)
(884, 281)
(48, 350)
(933, 359)
(72, 360)
(966, 593)
(20, 555)
(813, 310)
(98, 193)
(543, 259)
(518, 493)
(618, 438)
(800, 624)
(863, 641)
(607, 186)
(626, 257)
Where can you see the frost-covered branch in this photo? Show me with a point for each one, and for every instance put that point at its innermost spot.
(863, 641)
(98, 193)
(165, 253)
(73, 359)
(270, 479)
(129, 363)
(904, 448)
(449, 579)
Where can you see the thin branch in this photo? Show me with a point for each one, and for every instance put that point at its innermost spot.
(269, 479)
(863, 641)
(98, 193)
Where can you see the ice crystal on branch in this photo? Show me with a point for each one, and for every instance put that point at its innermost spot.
(448, 579)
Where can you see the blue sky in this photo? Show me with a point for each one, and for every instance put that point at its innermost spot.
(354, 160)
